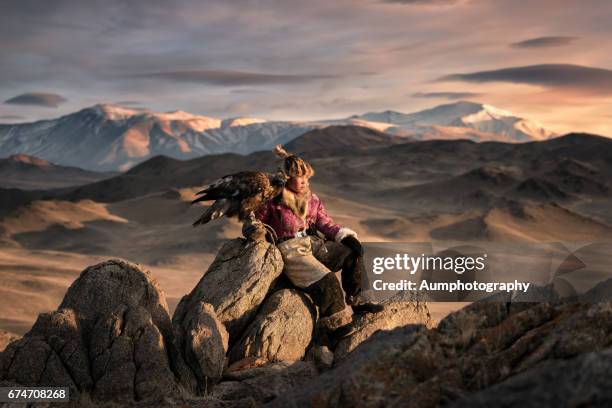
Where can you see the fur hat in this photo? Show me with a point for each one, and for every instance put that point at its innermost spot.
(293, 166)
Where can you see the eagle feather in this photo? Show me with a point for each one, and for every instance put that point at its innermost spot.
(238, 195)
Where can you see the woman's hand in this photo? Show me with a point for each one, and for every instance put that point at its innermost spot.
(353, 244)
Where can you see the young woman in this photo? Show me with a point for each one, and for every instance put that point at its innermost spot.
(296, 215)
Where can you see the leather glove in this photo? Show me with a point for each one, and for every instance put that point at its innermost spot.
(353, 244)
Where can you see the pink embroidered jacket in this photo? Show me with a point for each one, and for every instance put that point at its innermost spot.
(286, 224)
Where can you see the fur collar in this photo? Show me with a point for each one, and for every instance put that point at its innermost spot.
(297, 204)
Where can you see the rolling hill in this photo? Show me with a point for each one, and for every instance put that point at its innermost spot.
(31, 173)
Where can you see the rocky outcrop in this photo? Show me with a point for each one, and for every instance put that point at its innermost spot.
(394, 314)
(472, 350)
(281, 331)
(582, 381)
(110, 340)
(265, 383)
(129, 360)
(371, 373)
(203, 342)
(235, 284)
(6, 338)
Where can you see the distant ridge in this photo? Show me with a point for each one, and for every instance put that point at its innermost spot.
(31, 173)
(108, 137)
(341, 136)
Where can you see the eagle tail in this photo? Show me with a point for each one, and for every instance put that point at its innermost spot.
(217, 210)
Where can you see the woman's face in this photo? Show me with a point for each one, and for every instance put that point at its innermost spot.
(298, 185)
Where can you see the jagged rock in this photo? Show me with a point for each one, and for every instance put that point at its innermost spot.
(6, 338)
(393, 315)
(373, 374)
(583, 381)
(204, 343)
(265, 383)
(110, 340)
(532, 335)
(471, 350)
(281, 331)
(235, 284)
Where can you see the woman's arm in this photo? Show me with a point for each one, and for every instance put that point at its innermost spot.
(328, 227)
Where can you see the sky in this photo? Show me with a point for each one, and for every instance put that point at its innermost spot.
(546, 60)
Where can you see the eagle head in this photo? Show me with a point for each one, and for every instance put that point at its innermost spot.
(277, 180)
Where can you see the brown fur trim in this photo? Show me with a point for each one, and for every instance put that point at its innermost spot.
(297, 204)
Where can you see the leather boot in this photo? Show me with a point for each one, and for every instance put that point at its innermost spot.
(335, 317)
(353, 269)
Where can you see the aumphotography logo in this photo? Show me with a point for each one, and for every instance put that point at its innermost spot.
(519, 272)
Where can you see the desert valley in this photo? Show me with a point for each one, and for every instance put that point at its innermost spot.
(109, 182)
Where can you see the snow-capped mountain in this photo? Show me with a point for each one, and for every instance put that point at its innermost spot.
(110, 137)
(481, 121)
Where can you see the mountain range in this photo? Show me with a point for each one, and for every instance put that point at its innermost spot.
(555, 190)
(478, 122)
(113, 138)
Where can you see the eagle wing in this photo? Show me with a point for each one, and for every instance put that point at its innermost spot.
(236, 194)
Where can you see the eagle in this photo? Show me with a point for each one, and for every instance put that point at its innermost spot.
(239, 195)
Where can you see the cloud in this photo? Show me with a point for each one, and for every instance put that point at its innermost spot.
(48, 100)
(544, 42)
(446, 95)
(596, 81)
(223, 77)
(89, 52)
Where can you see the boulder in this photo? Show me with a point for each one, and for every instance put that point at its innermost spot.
(281, 331)
(321, 356)
(101, 288)
(235, 284)
(128, 358)
(265, 383)
(204, 343)
(110, 340)
(394, 314)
